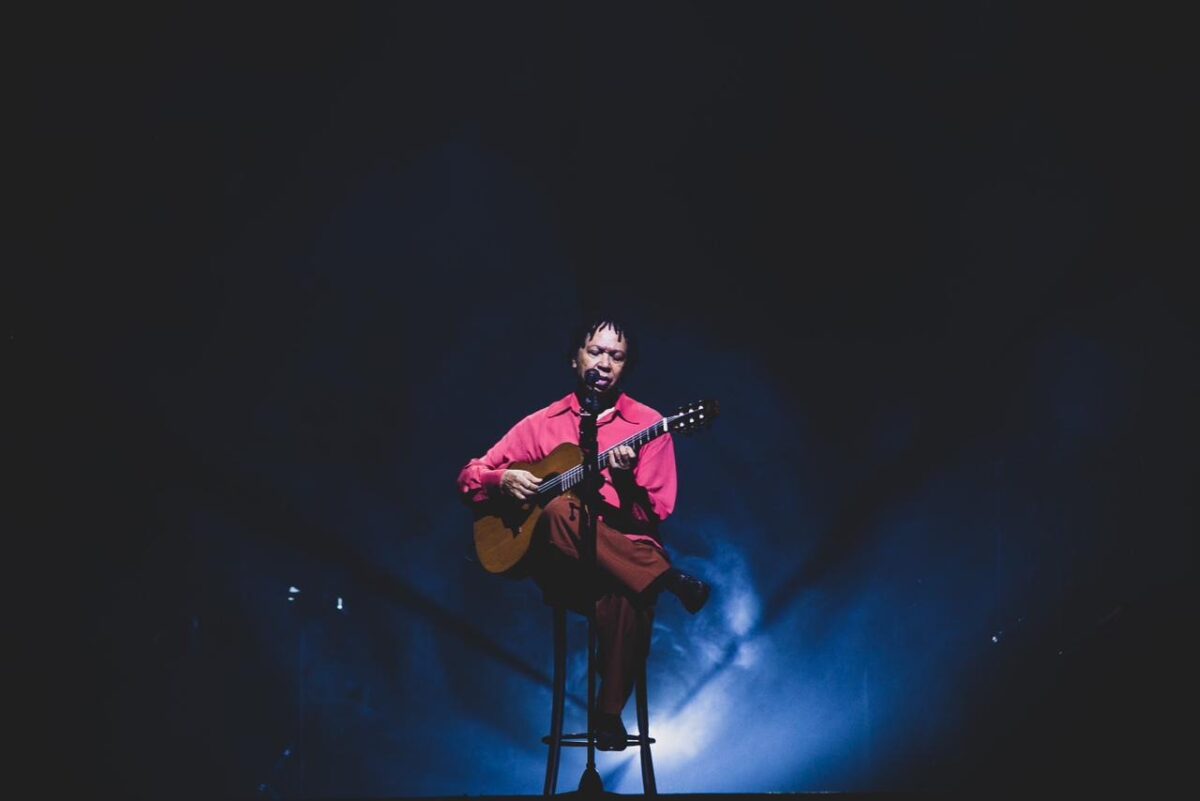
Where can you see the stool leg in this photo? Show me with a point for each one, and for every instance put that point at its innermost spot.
(556, 709)
(649, 788)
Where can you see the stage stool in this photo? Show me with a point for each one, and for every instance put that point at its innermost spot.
(556, 739)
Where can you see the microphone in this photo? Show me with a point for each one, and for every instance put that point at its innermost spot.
(590, 400)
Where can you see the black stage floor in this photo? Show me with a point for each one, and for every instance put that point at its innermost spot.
(806, 796)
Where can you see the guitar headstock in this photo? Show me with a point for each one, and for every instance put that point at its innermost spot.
(692, 417)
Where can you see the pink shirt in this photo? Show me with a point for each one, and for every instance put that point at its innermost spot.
(544, 430)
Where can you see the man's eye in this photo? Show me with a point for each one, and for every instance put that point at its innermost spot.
(594, 352)
(618, 357)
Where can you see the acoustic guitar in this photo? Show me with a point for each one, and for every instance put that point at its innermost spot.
(504, 526)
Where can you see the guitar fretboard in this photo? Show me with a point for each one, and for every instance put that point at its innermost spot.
(564, 481)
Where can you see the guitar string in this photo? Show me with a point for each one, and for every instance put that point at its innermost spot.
(575, 474)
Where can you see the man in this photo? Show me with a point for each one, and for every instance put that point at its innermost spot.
(638, 493)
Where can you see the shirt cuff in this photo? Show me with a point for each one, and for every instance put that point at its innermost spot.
(490, 479)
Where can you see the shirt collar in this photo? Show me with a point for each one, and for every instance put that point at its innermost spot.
(624, 407)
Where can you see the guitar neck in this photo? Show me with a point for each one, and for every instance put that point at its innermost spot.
(574, 476)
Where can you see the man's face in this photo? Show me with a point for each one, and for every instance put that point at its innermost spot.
(605, 352)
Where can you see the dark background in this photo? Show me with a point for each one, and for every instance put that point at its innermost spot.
(280, 270)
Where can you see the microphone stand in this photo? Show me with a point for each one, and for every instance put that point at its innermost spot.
(590, 782)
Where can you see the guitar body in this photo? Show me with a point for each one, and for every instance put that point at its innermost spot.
(504, 526)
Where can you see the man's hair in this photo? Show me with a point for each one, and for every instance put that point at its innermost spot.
(587, 328)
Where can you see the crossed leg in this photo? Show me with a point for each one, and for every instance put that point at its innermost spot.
(624, 616)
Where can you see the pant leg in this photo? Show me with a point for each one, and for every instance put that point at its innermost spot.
(624, 619)
(624, 633)
(634, 564)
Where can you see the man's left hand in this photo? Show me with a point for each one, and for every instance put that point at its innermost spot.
(622, 457)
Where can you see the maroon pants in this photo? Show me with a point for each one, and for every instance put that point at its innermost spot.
(624, 612)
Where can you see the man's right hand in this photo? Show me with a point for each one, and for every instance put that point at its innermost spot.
(520, 484)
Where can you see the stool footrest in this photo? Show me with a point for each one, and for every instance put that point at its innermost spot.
(580, 740)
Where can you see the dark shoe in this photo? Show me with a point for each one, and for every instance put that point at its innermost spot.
(691, 591)
(610, 732)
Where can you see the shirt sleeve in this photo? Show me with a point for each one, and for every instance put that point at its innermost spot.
(480, 478)
(655, 473)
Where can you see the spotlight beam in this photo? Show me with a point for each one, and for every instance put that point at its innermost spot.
(963, 414)
(268, 514)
